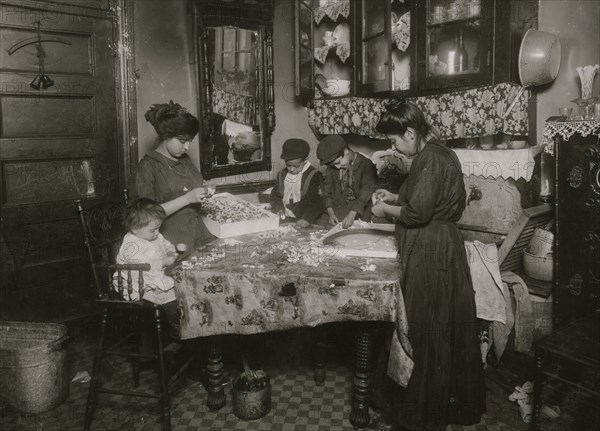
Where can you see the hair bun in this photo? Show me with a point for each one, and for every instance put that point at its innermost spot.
(394, 104)
(159, 110)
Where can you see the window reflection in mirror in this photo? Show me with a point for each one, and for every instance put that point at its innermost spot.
(235, 83)
(236, 130)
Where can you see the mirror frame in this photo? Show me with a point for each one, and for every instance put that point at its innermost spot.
(252, 16)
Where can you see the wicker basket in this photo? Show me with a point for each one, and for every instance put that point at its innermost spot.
(252, 404)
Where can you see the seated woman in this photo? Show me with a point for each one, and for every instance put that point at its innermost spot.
(168, 176)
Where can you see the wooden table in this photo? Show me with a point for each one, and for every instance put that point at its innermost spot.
(259, 283)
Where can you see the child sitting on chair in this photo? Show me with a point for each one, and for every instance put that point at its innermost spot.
(296, 191)
(143, 243)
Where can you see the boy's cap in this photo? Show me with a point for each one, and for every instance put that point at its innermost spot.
(330, 147)
(295, 149)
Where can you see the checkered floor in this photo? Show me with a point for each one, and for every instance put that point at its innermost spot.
(297, 403)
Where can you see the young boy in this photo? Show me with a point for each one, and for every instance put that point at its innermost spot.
(349, 181)
(143, 243)
(296, 190)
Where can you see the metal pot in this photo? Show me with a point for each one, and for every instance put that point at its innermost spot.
(539, 61)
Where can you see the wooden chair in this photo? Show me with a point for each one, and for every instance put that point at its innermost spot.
(103, 232)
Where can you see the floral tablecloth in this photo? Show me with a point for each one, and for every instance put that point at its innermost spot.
(461, 114)
(275, 281)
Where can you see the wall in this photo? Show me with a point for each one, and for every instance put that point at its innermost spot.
(163, 56)
(165, 59)
(575, 23)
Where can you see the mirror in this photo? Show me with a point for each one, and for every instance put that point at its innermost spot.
(235, 81)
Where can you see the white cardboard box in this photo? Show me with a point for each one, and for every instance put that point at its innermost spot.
(226, 230)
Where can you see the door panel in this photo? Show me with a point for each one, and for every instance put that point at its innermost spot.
(57, 145)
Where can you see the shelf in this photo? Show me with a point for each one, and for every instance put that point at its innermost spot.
(468, 20)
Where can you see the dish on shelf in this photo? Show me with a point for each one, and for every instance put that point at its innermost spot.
(336, 87)
(518, 144)
(341, 34)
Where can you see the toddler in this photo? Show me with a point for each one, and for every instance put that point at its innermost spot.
(143, 243)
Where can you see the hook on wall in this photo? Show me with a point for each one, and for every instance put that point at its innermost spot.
(41, 81)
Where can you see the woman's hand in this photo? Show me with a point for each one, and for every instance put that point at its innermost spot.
(281, 215)
(302, 223)
(378, 210)
(196, 195)
(349, 219)
(384, 196)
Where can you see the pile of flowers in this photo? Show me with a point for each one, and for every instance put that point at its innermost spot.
(203, 259)
(227, 210)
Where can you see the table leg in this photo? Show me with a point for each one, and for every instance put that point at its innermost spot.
(216, 392)
(359, 416)
(320, 347)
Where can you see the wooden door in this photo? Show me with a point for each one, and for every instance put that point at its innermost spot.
(56, 144)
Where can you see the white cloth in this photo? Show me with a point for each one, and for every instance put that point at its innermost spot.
(497, 163)
(158, 287)
(292, 188)
(231, 128)
(490, 292)
(518, 317)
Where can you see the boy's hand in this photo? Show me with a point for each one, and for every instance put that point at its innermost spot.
(333, 219)
(349, 219)
(302, 223)
(281, 215)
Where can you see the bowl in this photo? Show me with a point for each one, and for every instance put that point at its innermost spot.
(541, 243)
(517, 145)
(337, 87)
(538, 267)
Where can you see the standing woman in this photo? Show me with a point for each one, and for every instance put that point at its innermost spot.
(168, 176)
(447, 381)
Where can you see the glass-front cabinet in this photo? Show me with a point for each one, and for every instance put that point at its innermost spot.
(325, 52)
(400, 47)
(387, 46)
(457, 39)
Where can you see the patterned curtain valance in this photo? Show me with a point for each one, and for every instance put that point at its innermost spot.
(462, 114)
(235, 107)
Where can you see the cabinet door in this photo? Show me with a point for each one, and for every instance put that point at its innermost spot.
(387, 40)
(375, 47)
(303, 49)
(577, 227)
(457, 41)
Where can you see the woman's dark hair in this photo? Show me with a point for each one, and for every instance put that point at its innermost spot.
(142, 211)
(400, 115)
(171, 120)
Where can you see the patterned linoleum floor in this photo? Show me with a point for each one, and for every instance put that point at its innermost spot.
(298, 404)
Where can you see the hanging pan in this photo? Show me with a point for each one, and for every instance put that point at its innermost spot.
(539, 61)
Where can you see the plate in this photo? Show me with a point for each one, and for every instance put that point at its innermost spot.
(363, 242)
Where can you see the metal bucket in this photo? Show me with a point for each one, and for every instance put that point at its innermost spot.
(33, 366)
(253, 404)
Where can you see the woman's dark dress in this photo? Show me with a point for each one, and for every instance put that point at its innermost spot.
(161, 179)
(447, 382)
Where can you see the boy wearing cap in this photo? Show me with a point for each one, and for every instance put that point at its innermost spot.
(349, 181)
(296, 191)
